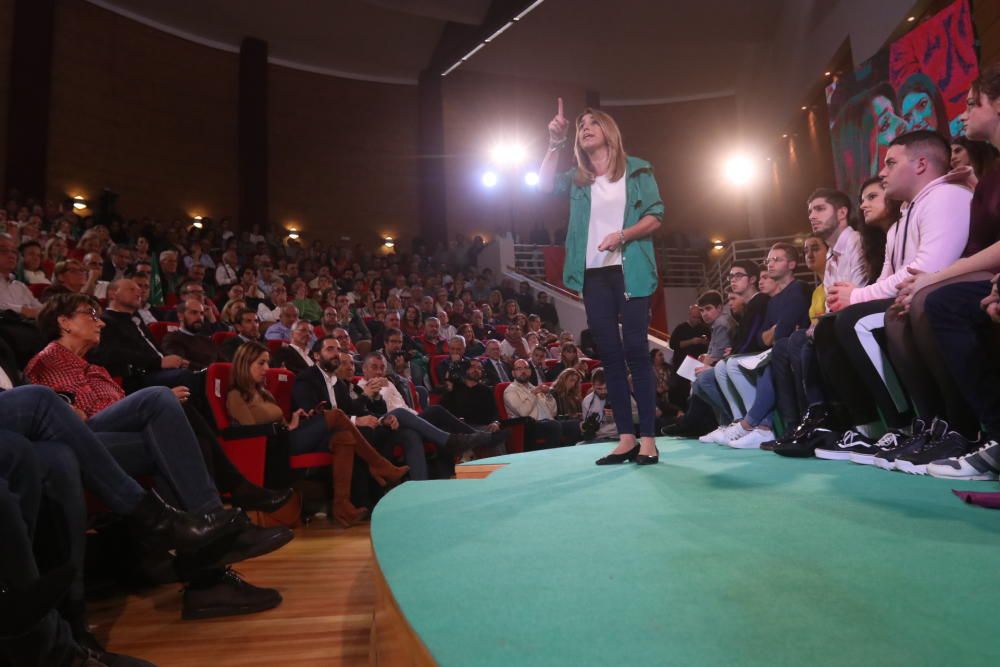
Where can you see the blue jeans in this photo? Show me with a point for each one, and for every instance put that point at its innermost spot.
(606, 305)
(39, 415)
(50, 642)
(148, 433)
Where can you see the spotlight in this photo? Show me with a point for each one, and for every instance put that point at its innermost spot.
(531, 179)
(911, 19)
(718, 245)
(293, 235)
(79, 203)
(490, 179)
(508, 154)
(388, 242)
(197, 224)
(740, 170)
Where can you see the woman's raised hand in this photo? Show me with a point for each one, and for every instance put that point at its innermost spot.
(558, 126)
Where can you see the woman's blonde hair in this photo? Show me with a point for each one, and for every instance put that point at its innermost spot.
(559, 387)
(585, 172)
(240, 378)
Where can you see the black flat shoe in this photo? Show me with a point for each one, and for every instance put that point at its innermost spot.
(643, 460)
(612, 459)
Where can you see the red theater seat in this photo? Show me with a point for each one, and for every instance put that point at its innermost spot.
(275, 345)
(220, 337)
(161, 329)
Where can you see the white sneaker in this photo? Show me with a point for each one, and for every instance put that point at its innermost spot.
(733, 432)
(752, 440)
(712, 438)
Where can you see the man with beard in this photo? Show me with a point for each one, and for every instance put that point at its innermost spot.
(472, 401)
(247, 329)
(295, 356)
(537, 407)
(190, 341)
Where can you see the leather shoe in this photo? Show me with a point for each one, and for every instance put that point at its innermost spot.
(459, 443)
(251, 497)
(253, 541)
(227, 595)
(169, 528)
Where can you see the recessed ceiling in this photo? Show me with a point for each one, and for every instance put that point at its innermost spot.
(626, 50)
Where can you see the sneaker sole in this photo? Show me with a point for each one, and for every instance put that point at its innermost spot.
(911, 468)
(833, 456)
(883, 463)
(732, 445)
(229, 610)
(943, 474)
(862, 459)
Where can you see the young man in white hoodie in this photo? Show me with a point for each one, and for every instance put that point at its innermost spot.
(930, 234)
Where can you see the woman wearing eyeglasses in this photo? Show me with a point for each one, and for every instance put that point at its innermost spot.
(615, 207)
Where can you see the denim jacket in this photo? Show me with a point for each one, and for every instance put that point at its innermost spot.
(638, 258)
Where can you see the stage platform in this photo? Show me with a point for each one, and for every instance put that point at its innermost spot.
(713, 557)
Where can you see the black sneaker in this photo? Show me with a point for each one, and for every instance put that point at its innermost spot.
(888, 442)
(923, 435)
(841, 449)
(228, 595)
(951, 445)
(806, 447)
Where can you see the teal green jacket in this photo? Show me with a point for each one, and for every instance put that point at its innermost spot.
(638, 258)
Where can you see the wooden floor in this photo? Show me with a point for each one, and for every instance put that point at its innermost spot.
(325, 576)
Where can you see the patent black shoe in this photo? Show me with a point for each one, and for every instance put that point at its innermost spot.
(168, 528)
(612, 459)
(252, 542)
(643, 460)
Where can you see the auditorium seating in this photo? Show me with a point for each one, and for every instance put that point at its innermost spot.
(161, 329)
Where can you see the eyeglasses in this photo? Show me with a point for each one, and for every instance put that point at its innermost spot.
(92, 312)
(737, 276)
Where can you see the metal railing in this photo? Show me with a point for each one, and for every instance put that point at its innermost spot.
(716, 276)
(683, 267)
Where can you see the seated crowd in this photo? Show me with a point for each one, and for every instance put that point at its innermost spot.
(399, 365)
(890, 360)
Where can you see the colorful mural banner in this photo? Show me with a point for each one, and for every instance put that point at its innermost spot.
(919, 82)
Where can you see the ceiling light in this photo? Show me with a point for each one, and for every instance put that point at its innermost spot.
(498, 32)
(804, 108)
(489, 179)
(827, 73)
(531, 179)
(740, 170)
(293, 235)
(79, 202)
(197, 223)
(911, 19)
(526, 11)
(784, 136)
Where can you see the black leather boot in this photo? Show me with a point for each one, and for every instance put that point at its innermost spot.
(255, 498)
(169, 528)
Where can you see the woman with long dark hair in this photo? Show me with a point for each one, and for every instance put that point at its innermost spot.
(615, 207)
(878, 214)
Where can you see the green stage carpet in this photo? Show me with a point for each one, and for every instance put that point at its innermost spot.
(713, 557)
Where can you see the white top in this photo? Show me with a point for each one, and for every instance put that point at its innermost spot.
(607, 215)
(14, 295)
(393, 399)
(845, 262)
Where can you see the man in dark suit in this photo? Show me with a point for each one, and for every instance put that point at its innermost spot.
(247, 329)
(329, 382)
(190, 341)
(537, 363)
(296, 355)
(127, 348)
(495, 370)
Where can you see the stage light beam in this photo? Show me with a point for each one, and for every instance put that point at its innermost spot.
(740, 170)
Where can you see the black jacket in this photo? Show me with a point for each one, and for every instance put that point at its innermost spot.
(288, 358)
(309, 391)
(490, 376)
(127, 348)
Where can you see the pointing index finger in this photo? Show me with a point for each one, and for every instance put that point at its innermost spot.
(560, 107)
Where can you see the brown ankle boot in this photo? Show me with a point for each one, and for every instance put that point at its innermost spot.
(344, 513)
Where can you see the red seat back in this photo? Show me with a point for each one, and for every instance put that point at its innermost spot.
(161, 329)
(585, 388)
(550, 364)
(216, 388)
(220, 337)
(279, 382)
(275, 345)
(501, 330)
(37, 289)
(498, 399)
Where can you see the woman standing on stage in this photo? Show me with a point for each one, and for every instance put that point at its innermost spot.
(615, 207)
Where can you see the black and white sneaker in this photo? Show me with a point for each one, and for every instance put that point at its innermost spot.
(840, 450)
(923, 435)
(982, 464)
(951, 445)
(866, 455)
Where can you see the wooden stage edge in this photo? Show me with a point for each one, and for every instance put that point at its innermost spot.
(393, 641)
